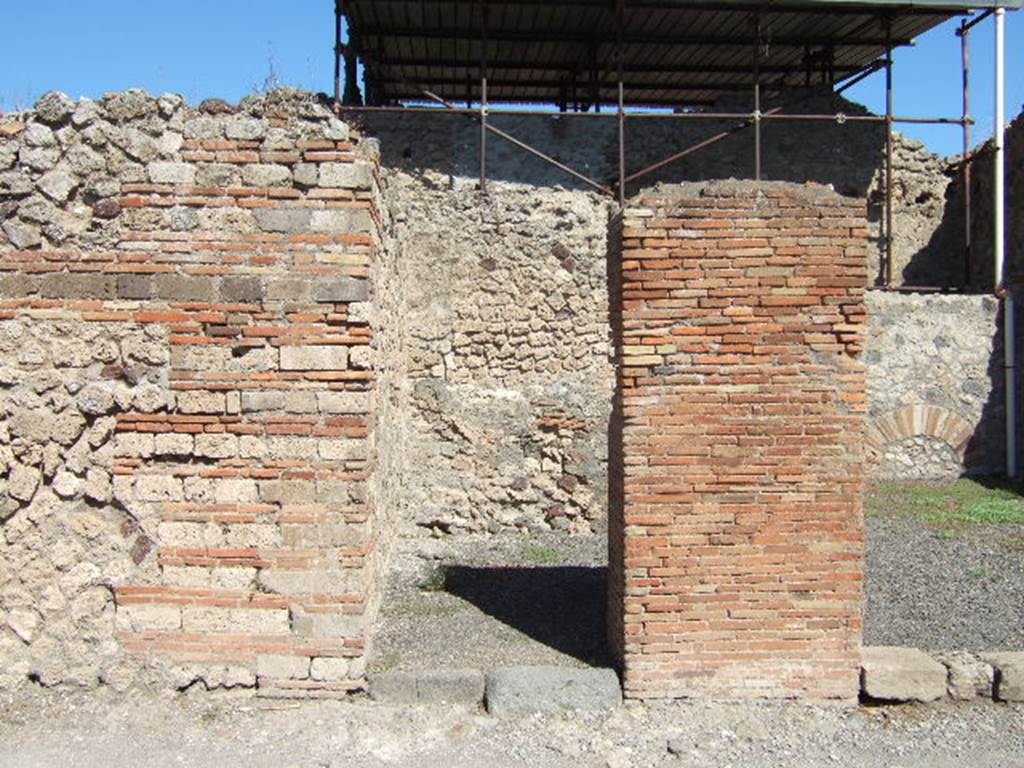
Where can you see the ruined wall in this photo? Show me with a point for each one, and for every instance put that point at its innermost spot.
(188, 389)
(506, 405)
(983, 209)
(742, 400)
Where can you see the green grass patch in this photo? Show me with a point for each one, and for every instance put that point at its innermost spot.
(951, 505)
(539, 554)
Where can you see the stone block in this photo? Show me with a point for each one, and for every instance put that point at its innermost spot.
(515, 691)
(148, 617)
(164, 172)
(185, 288)
(285, 220)
(289, 289)
(287, 491)
(341, 289)
(1009, 674)
(342, 221)
(173, 444)
(235, 490)
(133, 444)
(346, 175)
(969, 676)
(134, 286)
(200, 401)
(266, 175)
(260, 621)
(77, 285)
(343, 402)
(158, 488)
(342, 450)
(314, 358)
(282, 667)
(891, 673)
(241, 289)
(361, 357)
(462, 687)
(217, 445)
(262, 401)
(329, 668)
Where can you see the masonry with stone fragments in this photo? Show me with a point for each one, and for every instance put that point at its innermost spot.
(189, 388)
(244, 345)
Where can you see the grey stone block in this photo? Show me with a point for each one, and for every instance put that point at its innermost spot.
(451, 686)
(186, 288)
(320, 357)
(526, 690)
(241, 290)
(76, 285)
(341, 289)
(969, 676)
(1009, 674)
(134, 286)
(286, 220)
(891, 673)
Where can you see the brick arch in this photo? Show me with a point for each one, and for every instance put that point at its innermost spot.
(914, 420)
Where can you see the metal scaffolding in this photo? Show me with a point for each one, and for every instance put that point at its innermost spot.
(877, 31)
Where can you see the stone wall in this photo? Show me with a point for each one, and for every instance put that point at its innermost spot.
(506, 404)
(742, 398)
(187, 429)
(934, 385)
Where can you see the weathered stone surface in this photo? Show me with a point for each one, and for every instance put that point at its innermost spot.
(890, 673)
(314, 358)
(345, 175)
(286, 220)
(341, 289)
(463, 687)
(517, 691)
(166, 172)
(54, 108)
(1009, 674)
(969, 676)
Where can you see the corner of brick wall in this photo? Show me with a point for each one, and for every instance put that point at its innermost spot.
(741, 399)
(241, 246)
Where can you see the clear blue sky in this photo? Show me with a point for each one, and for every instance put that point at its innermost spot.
(227, 48)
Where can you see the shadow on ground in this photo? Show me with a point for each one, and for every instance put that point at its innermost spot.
(562, 607)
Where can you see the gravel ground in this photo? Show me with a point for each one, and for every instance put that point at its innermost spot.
(56, 731)
(935, 590)
(540, 600)
(482, 602)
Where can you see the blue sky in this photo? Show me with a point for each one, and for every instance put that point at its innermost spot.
(227, 48)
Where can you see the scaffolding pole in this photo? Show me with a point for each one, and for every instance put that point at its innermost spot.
(1002, 283)
(888, 154)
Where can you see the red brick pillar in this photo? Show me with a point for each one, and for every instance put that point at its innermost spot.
(738, 443)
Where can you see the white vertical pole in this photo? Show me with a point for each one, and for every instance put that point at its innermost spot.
(1001, 282)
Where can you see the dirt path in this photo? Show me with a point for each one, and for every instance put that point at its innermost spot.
(47, 730)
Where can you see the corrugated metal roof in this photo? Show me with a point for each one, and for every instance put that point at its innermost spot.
(673, 53)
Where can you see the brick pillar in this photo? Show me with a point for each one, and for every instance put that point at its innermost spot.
(737, 557)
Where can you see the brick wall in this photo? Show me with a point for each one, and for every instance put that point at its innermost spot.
(740, 412)
(241, 247)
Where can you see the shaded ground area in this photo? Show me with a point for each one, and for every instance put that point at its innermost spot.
(945, 569)
(484, 602)
(56, 731)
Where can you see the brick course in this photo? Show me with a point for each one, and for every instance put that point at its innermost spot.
(736, 534)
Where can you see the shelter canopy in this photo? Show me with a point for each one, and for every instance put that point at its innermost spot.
(673, 53)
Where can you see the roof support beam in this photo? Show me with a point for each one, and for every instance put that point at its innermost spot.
(507, 36)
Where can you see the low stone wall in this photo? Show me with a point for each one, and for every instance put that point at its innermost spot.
(187, 432)
(736, 557)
